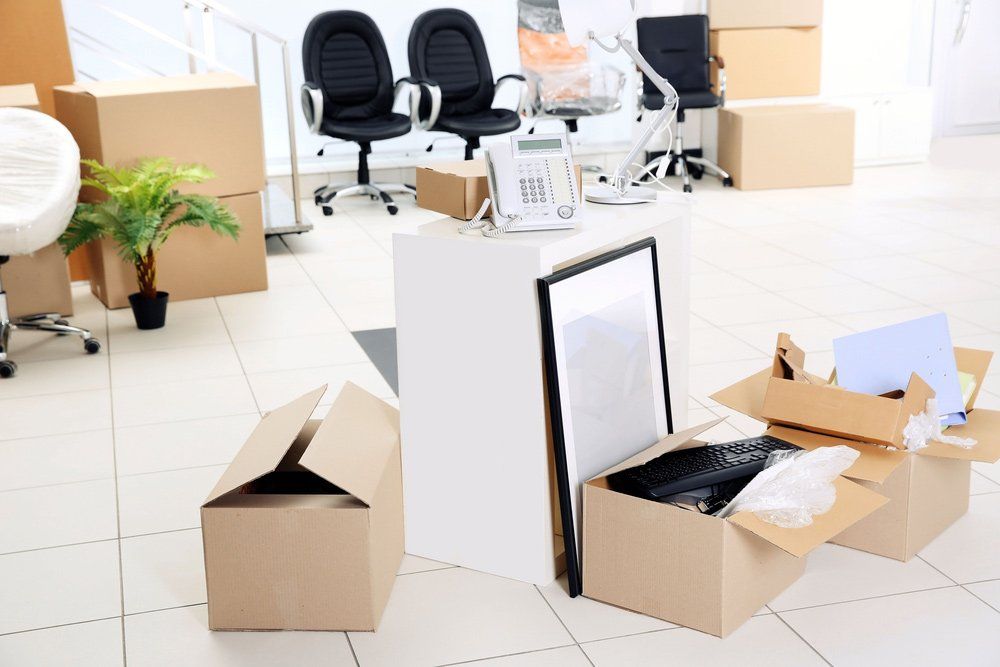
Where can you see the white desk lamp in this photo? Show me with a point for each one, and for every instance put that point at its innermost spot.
(594, 19)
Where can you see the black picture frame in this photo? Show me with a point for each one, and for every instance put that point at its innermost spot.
(555, 400)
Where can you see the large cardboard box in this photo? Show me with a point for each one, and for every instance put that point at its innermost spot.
(768, 62)
(730, 14)
(38, 283)
(927, 489)
(693, 569)
(213, 119)
(304, 530)
(193, 263)
(787, 146)
(457, 188)
(34, 47)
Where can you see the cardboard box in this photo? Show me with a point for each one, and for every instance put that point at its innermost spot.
(193, 263)
(730, 14)
(927, 489)
(458, 188)
(692, 569)
(768, 62)
(34, 47)
(791, 146)
(304, 531)
(38, 283)
(212, 119)
(22, 95)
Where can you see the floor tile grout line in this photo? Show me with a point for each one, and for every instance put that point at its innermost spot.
(118, 513)
(312, 281)
(61, 625)
(236, 351)
(354, 654)
(866, 599)
(473, 661)
(980, 598)
(937, 569)
(803, 639)
(556, 614)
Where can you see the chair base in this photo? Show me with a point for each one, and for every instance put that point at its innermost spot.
(682, 164)
(44, 322)
(325, 195)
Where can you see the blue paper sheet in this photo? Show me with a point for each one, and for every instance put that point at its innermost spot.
(881, 360)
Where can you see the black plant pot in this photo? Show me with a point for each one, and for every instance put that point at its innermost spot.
(149, 313)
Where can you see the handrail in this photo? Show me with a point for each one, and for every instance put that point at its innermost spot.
(115, 55)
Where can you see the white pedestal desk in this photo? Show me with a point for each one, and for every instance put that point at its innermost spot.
(477, 469)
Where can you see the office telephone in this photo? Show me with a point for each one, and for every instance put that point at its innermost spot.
(532, 186)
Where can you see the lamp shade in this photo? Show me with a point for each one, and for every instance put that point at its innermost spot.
(604, 18)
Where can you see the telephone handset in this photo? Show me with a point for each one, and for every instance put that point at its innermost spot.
(532, 184)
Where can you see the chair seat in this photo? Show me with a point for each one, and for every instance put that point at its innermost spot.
(481, 124)
(370, 129)
(690, 99)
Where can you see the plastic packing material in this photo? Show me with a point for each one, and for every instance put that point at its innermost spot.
(795, 486)
(579, 89)
(926, 426)
(39, 180)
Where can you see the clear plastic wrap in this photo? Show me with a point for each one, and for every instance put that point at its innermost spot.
(795, 486)
(39, 180)
(926, 426)
(584, 89)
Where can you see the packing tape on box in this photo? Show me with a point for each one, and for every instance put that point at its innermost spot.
(926, 426)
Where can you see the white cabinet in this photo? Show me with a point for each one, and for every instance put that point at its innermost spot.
(890, 128)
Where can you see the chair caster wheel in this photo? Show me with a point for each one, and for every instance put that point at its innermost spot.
(697, 174)
(8, 369)
(393, 210)
(727, 182)
(688, 188)
(317, 200)
(602, 179)
(327, 210)
(62, 323)
(92, 346)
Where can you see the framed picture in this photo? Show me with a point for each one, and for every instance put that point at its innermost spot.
(606, 373)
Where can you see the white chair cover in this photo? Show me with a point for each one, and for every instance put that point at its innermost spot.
(39, 180)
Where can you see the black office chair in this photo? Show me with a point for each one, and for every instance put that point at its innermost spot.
(677, 48)
(349, 95)
(447, 49)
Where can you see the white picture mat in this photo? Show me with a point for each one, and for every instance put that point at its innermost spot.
(629, 279)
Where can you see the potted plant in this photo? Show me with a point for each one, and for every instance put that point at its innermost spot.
(142, 209)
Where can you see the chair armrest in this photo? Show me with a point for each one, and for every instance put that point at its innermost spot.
(721, 64)
(415, 88)
(522, 84)
(312, 105)
(640, 97)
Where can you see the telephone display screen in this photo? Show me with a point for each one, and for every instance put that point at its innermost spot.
(539, 145)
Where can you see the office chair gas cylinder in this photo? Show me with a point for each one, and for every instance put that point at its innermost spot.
(349, 94)
(39, 185)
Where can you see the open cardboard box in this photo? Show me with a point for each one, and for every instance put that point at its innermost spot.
(694, 569)
(927, 489)
(304, 531)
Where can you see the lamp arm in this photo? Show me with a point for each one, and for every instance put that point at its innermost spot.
(621, 179)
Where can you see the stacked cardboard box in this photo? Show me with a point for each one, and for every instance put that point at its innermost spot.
(212, 119)
(36, 283)
(771, 48)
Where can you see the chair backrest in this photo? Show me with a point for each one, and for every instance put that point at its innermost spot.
(344, 54)
(677, 48)
(447, 48)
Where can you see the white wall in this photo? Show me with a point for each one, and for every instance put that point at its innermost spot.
(868, 47)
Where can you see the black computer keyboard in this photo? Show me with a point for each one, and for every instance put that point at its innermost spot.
(683, 470)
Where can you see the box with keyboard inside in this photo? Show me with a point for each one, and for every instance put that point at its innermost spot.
(690, 567)
(928, 489)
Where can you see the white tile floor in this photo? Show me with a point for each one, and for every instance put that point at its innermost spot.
(104, 460)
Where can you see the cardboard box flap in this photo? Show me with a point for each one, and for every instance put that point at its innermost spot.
(854, 502)
(161, 84)
(984, 427)
(747, 395)
(354, 442)
(975, 362)
(874, 465)
(665, 445)
(268, 443)
(465, 169)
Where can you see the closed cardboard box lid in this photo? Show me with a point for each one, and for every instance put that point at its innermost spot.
(159, 85)
(725, 14)
(21, 95)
